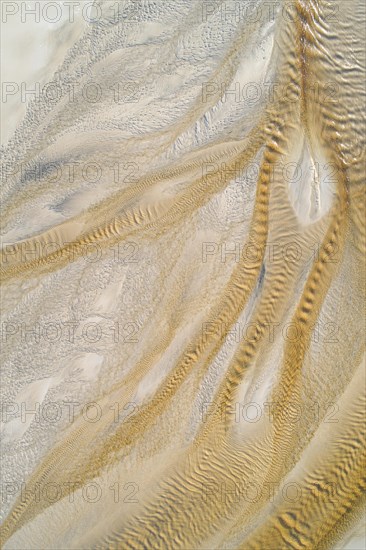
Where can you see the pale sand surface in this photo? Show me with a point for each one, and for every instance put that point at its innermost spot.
(186, 258)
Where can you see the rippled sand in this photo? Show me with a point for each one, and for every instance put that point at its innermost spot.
(184, 283)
